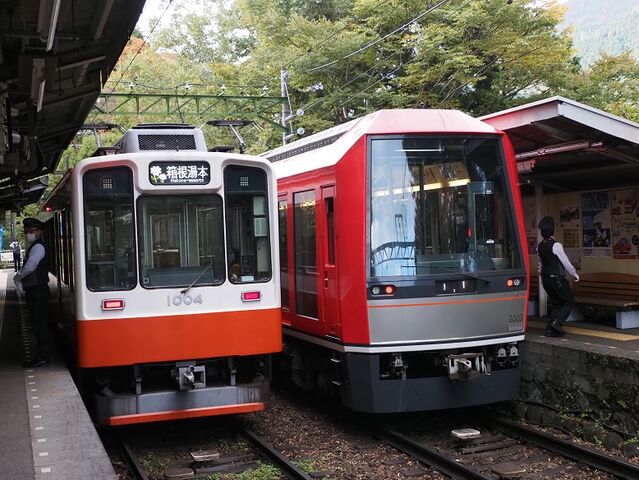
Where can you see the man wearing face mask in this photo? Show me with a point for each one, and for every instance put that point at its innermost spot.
(34, 279)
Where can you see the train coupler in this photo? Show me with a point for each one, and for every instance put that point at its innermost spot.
(190, 376)
(466, 366)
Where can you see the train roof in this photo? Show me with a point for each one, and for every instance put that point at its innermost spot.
(327, 147)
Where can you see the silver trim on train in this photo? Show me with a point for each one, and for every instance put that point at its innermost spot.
(431, 319)
(422, 347)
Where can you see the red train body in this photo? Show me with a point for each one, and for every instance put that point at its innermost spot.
(403, 272)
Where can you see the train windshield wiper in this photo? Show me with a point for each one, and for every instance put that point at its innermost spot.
(198, 276)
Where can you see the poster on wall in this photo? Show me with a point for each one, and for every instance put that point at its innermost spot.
(596, 224)
(571, 246)
(569, 217)
(624, 210)
(530, 222)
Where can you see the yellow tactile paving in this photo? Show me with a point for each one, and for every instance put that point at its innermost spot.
(622, 337)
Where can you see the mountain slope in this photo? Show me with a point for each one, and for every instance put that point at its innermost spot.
(603, 26)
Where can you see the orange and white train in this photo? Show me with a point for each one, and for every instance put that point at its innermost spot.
(166, 277)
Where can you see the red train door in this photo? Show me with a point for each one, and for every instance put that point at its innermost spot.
(329, 297)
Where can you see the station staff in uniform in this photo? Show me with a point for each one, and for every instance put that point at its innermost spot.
(553, 263)
(33, 279)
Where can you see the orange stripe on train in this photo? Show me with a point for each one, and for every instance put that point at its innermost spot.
(129, 341)
(182, 414)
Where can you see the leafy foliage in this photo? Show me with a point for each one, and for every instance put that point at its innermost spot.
(346, 58)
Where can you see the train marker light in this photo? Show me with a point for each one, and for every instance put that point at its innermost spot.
(112, 304)
(251, 296)
(514, 282)
(383, 290)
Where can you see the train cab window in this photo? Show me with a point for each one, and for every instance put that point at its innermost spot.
(439, 205)
(108, 223)
(180, 240)
(247, 225)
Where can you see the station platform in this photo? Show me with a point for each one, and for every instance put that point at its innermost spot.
(45, 431)
(590, 373)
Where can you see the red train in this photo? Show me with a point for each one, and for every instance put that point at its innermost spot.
(403, 271)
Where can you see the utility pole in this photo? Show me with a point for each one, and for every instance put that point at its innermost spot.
(286, 111)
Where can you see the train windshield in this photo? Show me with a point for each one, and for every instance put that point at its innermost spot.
(439, 206)
(181, 240)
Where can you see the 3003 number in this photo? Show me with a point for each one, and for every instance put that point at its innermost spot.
(182, 299)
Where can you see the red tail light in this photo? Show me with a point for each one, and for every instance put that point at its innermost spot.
(113, 304)
(251, 296)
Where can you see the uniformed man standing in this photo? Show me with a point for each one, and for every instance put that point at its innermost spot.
(553, 265)
(33, 278)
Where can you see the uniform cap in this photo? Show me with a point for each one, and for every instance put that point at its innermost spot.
(547, 227)
(32, 223)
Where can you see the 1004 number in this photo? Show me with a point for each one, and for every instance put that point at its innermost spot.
(182, 299)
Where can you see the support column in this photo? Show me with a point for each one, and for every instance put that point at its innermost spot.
(540, 212)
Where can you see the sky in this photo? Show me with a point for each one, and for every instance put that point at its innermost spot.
(152, 9)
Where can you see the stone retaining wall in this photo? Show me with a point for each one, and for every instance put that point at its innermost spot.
(589, 393)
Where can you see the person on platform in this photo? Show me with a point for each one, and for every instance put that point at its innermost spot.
(33, 280)
(552, 267)
(15, 248)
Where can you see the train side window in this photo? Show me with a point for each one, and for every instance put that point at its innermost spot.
(247, 224)
(282, 208)
(108, 229)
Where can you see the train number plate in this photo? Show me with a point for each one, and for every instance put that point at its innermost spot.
(182, 299)
(515, 322)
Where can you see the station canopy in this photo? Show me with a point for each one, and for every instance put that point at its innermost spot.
(568, 146)
(55, 56)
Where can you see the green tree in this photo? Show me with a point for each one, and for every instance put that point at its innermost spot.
(610, 84)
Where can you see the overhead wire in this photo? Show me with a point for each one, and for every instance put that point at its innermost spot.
(455, 92)
(324, 98)
(352, 80)
(380, 39)
(144, 40)
(332, 35)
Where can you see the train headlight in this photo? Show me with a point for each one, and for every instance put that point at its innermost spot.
(515, 282)
(383, 290)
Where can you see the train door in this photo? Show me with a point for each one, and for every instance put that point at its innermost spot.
(329, 297)
(307, 257)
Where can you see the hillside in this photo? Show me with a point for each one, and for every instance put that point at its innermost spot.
(603, 26)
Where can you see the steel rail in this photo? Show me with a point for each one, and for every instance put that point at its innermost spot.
(585, 455)
(288, 468)
(430, 457)
(133, 462)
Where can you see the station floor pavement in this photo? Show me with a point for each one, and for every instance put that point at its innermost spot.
(45, 430)
(593, 336)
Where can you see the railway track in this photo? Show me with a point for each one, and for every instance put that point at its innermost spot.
(529, 454)
(590, 456)
(207, 463)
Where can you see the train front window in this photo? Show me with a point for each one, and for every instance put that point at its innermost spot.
(247, 230)
(181, 240)
(108, 229)
(439, 205)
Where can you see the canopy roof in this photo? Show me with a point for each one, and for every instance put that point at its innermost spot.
(55, 56)
(572, 146)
